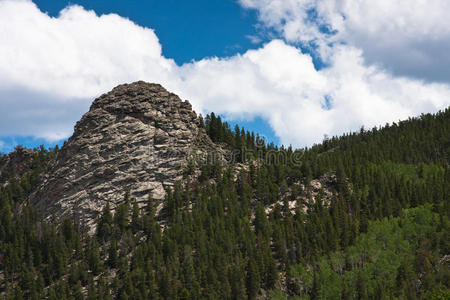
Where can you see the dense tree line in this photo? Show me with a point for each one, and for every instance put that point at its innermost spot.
(247, 145)
(234, 233)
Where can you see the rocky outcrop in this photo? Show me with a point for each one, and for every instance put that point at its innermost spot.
(15, 164)
(305, 196)
(138, 137)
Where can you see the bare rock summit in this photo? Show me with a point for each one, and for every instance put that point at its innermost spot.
(138, 137)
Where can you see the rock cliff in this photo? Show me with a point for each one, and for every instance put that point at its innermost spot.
(138, 137)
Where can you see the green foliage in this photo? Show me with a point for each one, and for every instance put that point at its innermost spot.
(383, 263)
(233, 234)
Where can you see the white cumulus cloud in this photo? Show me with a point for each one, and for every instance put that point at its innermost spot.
(410, 37)
(281, 84)
(51, 68)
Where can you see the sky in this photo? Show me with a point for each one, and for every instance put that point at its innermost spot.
(292, 70)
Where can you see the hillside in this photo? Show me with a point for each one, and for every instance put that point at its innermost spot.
(361, 216)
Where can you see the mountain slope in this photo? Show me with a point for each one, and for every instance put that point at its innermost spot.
(319, 223)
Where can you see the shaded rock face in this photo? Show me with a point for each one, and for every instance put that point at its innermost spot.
(138, 137)
(15, 163)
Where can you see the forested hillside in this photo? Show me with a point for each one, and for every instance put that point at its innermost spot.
(361, 216)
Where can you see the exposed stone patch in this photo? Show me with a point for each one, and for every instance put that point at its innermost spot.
(308, 194)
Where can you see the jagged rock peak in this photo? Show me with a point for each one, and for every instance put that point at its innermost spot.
(138, 137)
(140, 100)
(138, 97)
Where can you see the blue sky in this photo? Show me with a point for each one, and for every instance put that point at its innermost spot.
(188, 30)
(292, 71)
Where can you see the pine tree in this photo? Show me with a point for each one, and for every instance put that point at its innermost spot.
(104, 225)
(112, 254)
(136, 224)
(253, 279)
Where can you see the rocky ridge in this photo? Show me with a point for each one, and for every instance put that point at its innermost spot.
(15, 163)
(138, 137)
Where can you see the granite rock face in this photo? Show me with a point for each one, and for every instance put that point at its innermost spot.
(15, 163)
(138, 137)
